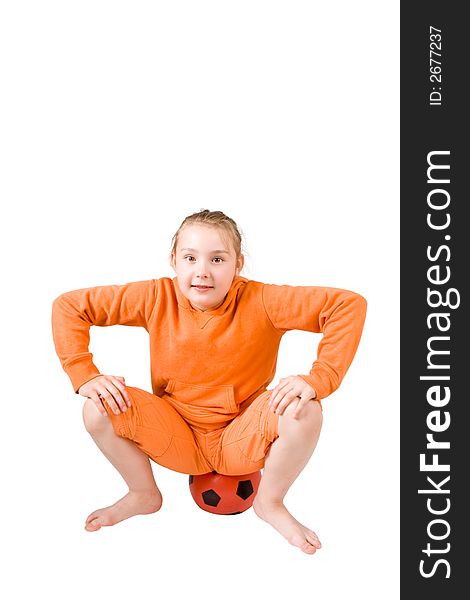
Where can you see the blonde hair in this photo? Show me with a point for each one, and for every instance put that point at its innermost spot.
(216, 219)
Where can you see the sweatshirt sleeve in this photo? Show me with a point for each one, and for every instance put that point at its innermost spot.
(337, 314)
(73, 313)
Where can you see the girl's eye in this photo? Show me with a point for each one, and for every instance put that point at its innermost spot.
(218, 260)
(189, 258)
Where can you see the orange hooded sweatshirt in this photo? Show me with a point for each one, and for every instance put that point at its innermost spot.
(234, 345)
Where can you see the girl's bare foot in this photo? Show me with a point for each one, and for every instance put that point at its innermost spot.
(277, 515)
(133, 503)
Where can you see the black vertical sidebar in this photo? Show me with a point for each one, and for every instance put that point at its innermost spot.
(435, 268)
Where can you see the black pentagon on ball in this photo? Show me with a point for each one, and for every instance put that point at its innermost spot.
(211, 498)
(245, 489)
(191, 479)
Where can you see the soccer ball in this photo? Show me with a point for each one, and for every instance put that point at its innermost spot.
(224, 494)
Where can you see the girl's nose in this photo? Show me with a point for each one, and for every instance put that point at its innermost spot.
(202, 269)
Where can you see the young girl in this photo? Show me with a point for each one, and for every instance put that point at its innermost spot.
(214, 340)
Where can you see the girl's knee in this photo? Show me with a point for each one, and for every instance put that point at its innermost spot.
(310, 417)
(94, 421)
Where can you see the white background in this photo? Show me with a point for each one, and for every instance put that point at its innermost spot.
(117, 120)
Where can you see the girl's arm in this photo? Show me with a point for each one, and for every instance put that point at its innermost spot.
(337, 314)
(73, 313)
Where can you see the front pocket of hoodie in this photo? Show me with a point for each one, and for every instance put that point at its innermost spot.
(214, 405)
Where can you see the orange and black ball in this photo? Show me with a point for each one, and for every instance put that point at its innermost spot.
(224, 494)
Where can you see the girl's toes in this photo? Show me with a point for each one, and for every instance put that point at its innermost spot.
(93, 525)
(308, 548)
(92, 516)
(314, 541)
(312, 534)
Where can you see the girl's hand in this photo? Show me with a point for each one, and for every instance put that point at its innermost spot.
(107, 388)
(289, 389)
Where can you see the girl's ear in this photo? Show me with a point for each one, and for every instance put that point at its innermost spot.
(239, 264)
(173, 261)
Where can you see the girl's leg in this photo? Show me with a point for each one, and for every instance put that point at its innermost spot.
(151, 427)
(287, 457)
(143, 497)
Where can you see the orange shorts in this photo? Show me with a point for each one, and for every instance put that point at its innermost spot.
(160, 431)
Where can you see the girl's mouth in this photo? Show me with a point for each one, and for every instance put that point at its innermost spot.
(202, 288)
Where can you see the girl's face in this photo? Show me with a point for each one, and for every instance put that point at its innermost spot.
(205, 263)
